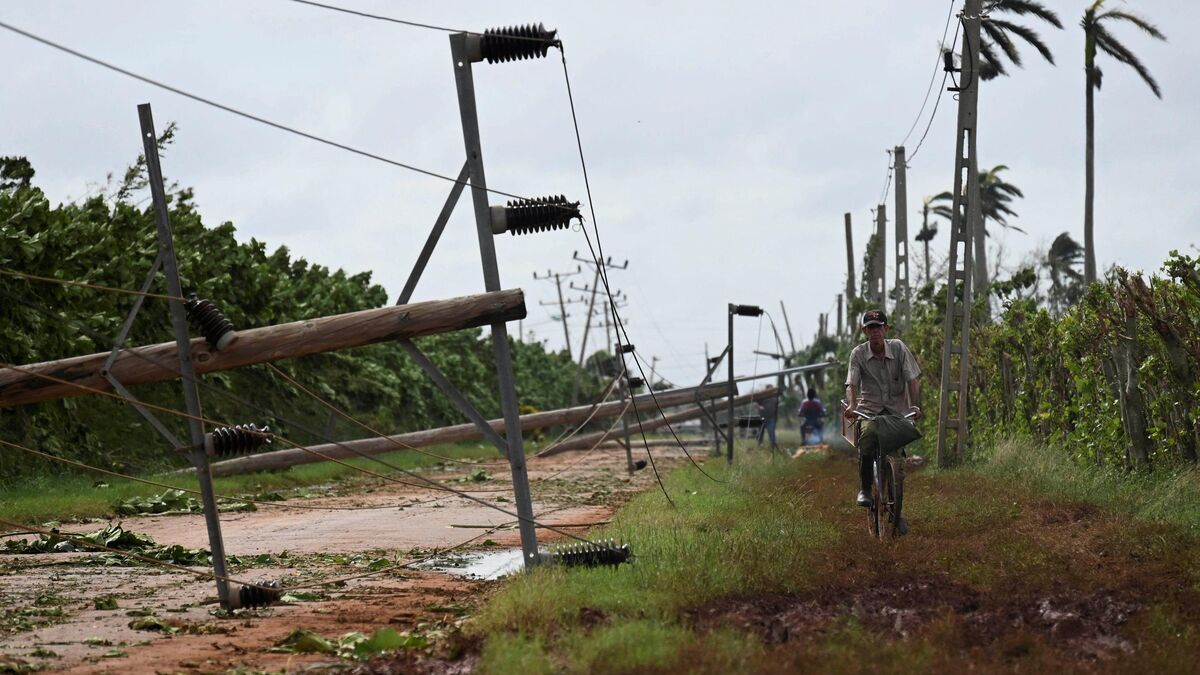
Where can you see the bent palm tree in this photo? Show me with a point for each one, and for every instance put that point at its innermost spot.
(999, 36)
(1097, 36)
(939, 206)
(1064, 256)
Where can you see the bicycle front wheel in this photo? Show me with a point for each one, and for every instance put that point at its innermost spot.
(890, 497)
(875, 513)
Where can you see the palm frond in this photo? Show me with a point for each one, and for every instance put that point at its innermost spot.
(989, 66)
(1149, 28)
(1028, 35)
(1033, 8)
(1107, 43)
(999, 37)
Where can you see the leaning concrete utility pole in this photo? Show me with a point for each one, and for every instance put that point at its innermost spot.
(594, 288)
(903, 296)
(850, 280)
(964, 219)
(879, 259)
(562, 307)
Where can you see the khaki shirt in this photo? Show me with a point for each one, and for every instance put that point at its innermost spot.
(882, 384)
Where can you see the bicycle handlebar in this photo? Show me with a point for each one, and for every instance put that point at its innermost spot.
(868, 418)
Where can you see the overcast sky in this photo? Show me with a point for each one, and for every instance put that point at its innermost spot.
(724, 140)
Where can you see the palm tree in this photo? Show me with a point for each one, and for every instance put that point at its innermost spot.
(1097, 36)
(939, 206)
(1064, 256)
(998, 36)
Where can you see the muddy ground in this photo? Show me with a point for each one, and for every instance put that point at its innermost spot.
(50, 618)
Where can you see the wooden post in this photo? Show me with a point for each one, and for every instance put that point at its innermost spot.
(159, 363)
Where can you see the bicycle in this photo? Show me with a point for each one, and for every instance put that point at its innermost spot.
(886, 493)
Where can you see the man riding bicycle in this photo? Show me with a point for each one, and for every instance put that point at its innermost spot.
(882, 380)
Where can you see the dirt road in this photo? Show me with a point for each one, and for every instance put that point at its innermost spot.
(50, 619)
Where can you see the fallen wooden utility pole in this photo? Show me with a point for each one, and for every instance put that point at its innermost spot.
(159, 363)
(282, 459)
(589, 440)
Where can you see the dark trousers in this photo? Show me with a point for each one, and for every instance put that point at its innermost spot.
(768, 426)
(868, 443)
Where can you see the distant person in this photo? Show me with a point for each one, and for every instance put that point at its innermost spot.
(812, 410)
(768, 409)
(882, 381)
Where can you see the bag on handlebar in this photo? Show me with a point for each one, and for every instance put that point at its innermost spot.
(894, 433)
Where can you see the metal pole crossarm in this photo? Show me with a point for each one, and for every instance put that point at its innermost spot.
(156, 363)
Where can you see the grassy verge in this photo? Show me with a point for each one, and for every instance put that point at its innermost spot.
(1170, 496)
(78, 496)
(1024, 564)
(752, 533)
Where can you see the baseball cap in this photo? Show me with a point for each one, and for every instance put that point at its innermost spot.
(874, 317)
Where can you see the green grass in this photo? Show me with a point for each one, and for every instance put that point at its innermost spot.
(76, 496)
(1170, 496)
(752, 534)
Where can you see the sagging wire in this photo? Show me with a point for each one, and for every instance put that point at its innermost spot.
(603, 439)
(353, 420)
(84, 284)
(430, 483)
(568, 434)
(933, 75)
(603, 274)
(887, 179)
(941, 90)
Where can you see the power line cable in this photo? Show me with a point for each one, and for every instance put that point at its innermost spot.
(933, 75)
(603, 275)
(246, 115)
(941, 90)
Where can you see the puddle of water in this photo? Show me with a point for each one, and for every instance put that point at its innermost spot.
(481, 565)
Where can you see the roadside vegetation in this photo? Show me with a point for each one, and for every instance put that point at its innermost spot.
(773, 571)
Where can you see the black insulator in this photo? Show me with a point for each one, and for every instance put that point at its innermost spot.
(639, 465)
(260, 595)
(627, 349)
(516, 42)
(636, 383)
(606, 552)
(540, 214)
(238, 439)
(209, 320)
(948, 61)
(747, 310)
